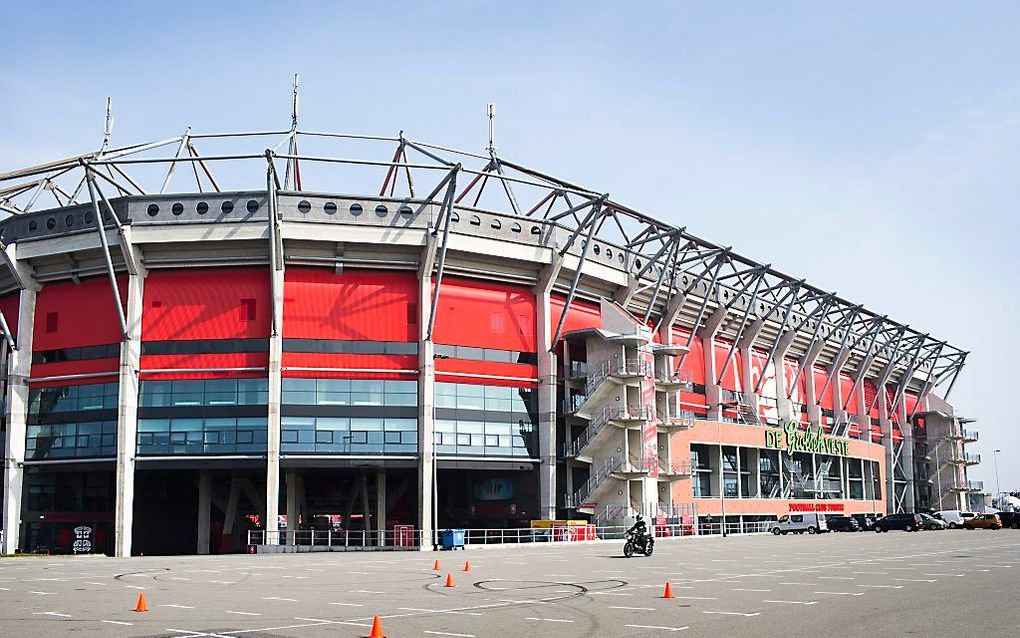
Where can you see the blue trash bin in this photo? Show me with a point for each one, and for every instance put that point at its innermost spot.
(452, 538)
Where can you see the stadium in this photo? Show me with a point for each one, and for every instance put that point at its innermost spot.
(210, 333)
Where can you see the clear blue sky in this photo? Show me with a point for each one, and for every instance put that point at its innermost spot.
(873, 149)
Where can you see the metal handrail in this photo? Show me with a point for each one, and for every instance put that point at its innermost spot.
(597, 478)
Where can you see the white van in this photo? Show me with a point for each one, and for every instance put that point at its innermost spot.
(809, 522)
(954, 518)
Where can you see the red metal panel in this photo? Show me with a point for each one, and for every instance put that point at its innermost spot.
(206, 303)
(451, 377)
(10, 305)
(731, 378)
(820, 376)
(194, 376)
(694, 363)
(232, 360)
(355, 361)
(485, 315)
(88, 366)
(518, 370)
(846, 388)
(368, 305)
(68, 315)
(582, 314)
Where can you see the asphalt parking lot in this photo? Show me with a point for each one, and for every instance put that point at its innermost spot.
(861, 584)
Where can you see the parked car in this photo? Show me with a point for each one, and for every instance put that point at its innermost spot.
(930, 522)
(865, 521)
(954, 518)
(809, 522)
(1010, 519)
(842, 524)
(905, 522)
(984, 521)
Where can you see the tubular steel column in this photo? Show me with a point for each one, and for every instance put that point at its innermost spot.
(127, 417)
(19, 370)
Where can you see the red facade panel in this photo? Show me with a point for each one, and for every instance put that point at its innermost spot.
(730, 376)
(485, 315)
(292, 360)
(69, 315)
(187, 361)
(582, 314)
(10, 306)
(824, 399)
(221, 303)
(361, 305)
(487, 368)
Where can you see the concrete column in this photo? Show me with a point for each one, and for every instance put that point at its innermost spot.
(127, 418)
(837, 399)
(293, 505)
(204, 510)
(19, 365)
(426, 415)
(890, 453)
(784, 407)
(713, 393)
(864, 419)
(380, 507)
(275, 396)
(547, 381)
(907, 455)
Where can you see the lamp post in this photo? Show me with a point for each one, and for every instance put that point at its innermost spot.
(995, 461)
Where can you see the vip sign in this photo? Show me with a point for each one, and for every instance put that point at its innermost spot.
(790, 439)
(82, 540)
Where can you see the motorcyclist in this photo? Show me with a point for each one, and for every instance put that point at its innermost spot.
(640, 530)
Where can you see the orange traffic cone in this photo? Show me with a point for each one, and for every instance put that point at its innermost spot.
(376, 629)
(467, 565)
(449, 580)
(141, 605)
(435, 566)
(669, 591)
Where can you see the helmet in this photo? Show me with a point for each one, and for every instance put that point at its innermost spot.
(638, 518)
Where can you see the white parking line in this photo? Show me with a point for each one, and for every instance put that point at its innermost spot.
(117, 622)
(883, 586)
(241, 613)
(838, 577)
(841, 593)
(288, 600)
(731, 613)
(348, 604)
(175, 606)
(918, 580)
(134, 587)
(695, 597)
(742, 589)
(634, 608)
(792, 602)
(43, 593)
(365, 591)
(50, 613)
(656, 627)
(446, 633)
(548, 619)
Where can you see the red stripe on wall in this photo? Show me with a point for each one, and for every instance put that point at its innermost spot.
(359, 361)
(232, 360)
(112, 378)
(89, 366)
(195, 376)
(505, 383)
(339, 374)
(520, 370)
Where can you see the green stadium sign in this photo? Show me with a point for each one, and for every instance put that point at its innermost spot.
(791, 439)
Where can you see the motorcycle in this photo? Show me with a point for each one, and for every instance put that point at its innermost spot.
(638, 544)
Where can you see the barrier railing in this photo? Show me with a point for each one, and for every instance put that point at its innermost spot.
(410, 539)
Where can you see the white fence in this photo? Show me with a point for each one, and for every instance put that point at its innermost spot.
(408, 539)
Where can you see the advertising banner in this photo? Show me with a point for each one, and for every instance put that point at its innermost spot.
(649, 432)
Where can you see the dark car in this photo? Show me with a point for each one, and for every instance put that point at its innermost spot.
(842, 524)
(1010, 519)
(865, 521)
(905, 522)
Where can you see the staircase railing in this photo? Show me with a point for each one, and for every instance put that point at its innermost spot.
(598, 476)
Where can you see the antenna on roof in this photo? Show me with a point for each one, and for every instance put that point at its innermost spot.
(294, 105)
(492, 114)
(108, 126)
